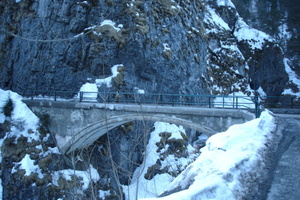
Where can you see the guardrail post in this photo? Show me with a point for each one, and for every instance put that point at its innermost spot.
(236, 103)
(292, 102)
(80, 96)
(257, 105)
(209, 102)
(223, 101)
(233, 101)
(54, 96)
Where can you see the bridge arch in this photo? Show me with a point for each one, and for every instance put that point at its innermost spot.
(92, 132)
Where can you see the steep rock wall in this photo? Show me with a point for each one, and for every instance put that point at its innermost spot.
(152, 45)
(279, 18)
(165, 46)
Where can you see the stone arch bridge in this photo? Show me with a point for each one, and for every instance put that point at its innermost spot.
(78, 124)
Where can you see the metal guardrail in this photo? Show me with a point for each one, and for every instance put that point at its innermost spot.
(147, 98)
(281, 102)
(253, 103)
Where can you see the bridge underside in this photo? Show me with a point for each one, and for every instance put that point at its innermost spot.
(92, 132)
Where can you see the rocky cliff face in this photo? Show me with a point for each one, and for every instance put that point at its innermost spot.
(165, 46)
(278, 18)
(162, 46)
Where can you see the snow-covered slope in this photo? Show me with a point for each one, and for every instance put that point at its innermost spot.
(28, 157)
(229, 166)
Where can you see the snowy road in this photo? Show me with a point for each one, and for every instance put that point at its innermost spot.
(286, 181)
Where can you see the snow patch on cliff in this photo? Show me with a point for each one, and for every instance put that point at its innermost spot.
(105, 23)
(226, 3)
(90, 90)
(108, 81)
(28, 165)
(214, 22)
(293, 77)
(253, 37)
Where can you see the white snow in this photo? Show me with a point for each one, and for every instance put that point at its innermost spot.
(91, 175)
(261, 92)
(166, 47)
(292, 78)
(28, 165)
(105, 22)
(111, 23)
(90, 91)
(23, 123)
(102, 194)
(150, 188)
(226, 3)
(253, 37)
(138, 90)
(22, 118)
(217, 173)
(284, 34)
(212, 18)
(108, 80)
(233, 99)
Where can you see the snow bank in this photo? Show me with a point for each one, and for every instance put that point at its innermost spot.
(228, 157)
